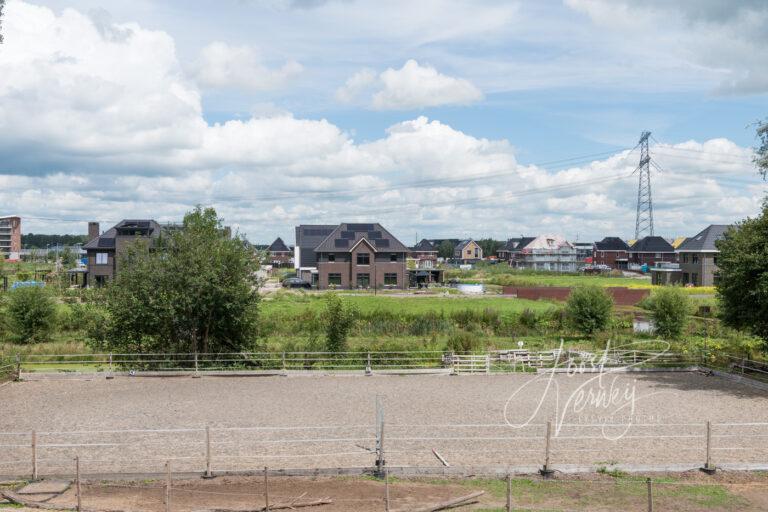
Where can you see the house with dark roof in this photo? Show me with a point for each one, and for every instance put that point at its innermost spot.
(611, 251)
(424, 254)
(468, 251)
(512, 247)
(697, 256)
(279, 254)
(361, 255)
(104, 250)
(309, 236)
(651, 250)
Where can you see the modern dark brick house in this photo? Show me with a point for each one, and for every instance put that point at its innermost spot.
(651, 250)
(309, 236)
(104, 250)
(358, 255)
(279, 254)
(611, 251)
(697, 256)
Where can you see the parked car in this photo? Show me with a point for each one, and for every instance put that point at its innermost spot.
(295, 282)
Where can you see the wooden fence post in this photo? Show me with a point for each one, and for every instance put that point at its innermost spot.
(545, 471)
(386, 489)
(509, 492)
(649, 483)
(18, 367)
(266, 490)
(34, 455)
(167, 486)
(77, 485)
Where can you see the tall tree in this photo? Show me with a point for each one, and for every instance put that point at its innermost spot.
(194, 290)
(489, 246)
(445, 249)
(761, 151)
(743, 275)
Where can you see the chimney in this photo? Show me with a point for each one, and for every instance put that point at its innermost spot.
(93, 230)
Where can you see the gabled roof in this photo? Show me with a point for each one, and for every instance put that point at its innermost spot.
(677, 242)
(516, 244)
(705, 240)
(611, 243)
(126, 227)
(278, 246)
(424, 246)
(652, 244)
(462, 244)
(437, 242)
(547, 242)
(347, 235)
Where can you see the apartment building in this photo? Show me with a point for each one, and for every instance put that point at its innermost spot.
(10, 237)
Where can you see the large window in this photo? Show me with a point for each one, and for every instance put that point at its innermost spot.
(102, 258)
(694, 258)
(393, 257)
(334, 279)
(363, 258)
(390, 279)
(331, 257)
(363, 280)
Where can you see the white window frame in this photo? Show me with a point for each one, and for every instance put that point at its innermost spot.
(100, 256)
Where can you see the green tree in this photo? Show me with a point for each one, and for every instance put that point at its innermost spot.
(742, 285)
(761, 151)
(589, 309)
(445, 249)
(68, 258)
(31, 314)
(669, 307)
(489, 246)
(194, 290)
(339, 319)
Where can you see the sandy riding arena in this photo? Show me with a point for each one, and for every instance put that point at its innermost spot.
(651, 421)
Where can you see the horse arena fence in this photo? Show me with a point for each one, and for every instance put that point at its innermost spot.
(405, 448)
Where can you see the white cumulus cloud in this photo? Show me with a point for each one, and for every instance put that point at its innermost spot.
(241, 67)
(411, 87)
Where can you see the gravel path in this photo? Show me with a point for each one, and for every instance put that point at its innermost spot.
(329, 421)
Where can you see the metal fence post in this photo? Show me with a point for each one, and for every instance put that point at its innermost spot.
(708, 467)
(509, 492)
(167, 500)
(368, 369)
(111, 368)
(545, 471)
(77, 485)
(380, 460)
(649, 483)
(34, 455)
(284, 367)
(18, 367)
(208, 472)
(197, 366)
(266, 490)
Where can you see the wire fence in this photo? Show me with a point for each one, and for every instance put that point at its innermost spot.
(497, 361)
(448, 447)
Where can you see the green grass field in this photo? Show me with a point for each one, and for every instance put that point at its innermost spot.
(293, 304)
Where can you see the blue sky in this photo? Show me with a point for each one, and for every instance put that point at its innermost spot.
(440, 117)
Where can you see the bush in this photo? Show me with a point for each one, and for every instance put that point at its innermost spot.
(463, 341)
(589, 309)
(339, 319)
(669, 310)
(31, 314)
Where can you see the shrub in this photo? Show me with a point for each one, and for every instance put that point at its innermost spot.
(528, 318)
(339, 319)
(463, 341)
(31, 314)
(589, 309)
(669, 311)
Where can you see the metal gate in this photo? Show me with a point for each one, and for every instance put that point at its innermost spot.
(468, 363)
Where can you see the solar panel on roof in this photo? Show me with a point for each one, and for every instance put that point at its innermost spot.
(373, 235)
(348, 235)
(360, 227)
(381, 242)
(340, 242)
(106, 242)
